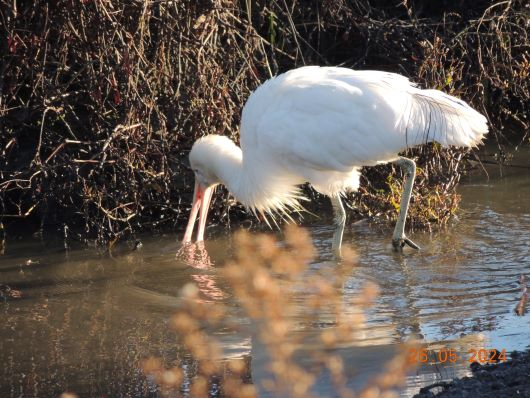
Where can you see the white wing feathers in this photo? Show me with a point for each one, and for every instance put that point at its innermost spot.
(322, 124)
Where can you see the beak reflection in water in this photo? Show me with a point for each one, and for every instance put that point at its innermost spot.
(196, 257)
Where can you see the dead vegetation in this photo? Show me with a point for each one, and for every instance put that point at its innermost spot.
(100, 101)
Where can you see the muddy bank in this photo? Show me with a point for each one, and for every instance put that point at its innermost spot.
(508, 379)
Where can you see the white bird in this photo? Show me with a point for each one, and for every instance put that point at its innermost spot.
(321, 125)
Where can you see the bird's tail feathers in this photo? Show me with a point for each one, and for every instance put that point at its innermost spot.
(436, 116)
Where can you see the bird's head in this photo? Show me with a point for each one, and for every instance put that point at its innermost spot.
(204, 157)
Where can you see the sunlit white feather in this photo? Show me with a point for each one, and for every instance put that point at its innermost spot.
(321, 125)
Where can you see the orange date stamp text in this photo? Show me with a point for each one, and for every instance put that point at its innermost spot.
(451, 355)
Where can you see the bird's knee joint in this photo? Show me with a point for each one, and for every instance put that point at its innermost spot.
(406, 163)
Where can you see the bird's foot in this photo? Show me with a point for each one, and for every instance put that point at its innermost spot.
(399, 243)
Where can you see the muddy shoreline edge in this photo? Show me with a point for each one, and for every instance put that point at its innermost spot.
(506, 379)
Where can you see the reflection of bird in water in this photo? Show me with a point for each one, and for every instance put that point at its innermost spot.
(198, 258)
(321, 125)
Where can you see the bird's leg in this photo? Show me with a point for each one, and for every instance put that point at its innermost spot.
(340, 220)
(399, 239)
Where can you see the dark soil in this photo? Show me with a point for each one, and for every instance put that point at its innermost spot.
(507, 379)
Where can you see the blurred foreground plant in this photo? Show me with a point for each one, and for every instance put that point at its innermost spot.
(279, 293)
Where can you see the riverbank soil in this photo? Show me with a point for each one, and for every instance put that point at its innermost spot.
(508, 379)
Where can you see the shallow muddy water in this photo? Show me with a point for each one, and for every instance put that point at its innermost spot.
(82, 320)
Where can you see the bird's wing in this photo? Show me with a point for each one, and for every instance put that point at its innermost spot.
(336, 119)
(325, 122)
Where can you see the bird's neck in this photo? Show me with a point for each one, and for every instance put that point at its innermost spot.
(256, 183)
(230, 170)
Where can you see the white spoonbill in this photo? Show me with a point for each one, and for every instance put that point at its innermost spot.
(321, 125)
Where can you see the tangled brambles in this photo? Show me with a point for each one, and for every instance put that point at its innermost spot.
(283, 298)
(100, 101)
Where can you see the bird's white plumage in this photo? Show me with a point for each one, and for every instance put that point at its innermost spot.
(320, 125)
